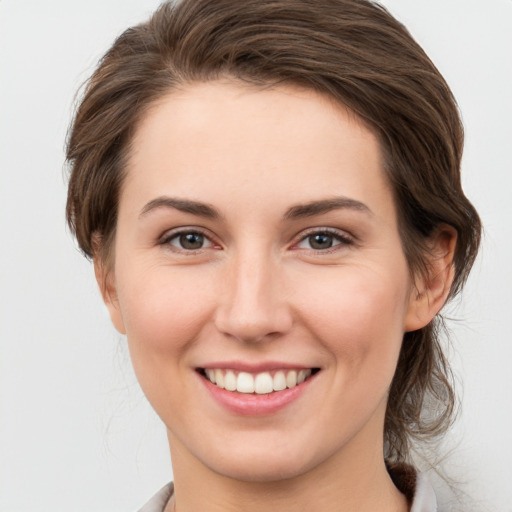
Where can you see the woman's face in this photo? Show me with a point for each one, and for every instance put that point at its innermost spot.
(257, 246)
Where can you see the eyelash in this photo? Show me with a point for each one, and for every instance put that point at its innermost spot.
(166, 240)
(342, 238)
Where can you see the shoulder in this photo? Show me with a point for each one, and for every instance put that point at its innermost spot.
(424, 496)
(415, 486)
(158, 502)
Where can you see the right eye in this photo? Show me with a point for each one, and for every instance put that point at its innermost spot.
(188, 240)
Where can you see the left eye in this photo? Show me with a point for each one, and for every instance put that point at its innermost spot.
(189, 241)
(322, 240)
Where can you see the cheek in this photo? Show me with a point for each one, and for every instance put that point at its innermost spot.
(164, 311)
(360, 316)
(163, 308)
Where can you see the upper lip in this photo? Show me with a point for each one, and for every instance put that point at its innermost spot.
(265, 366)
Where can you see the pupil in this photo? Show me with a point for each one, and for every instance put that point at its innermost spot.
(320, 241)
(191, 241)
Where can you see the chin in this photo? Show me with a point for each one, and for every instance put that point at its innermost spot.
(263, 471)
(264, 461)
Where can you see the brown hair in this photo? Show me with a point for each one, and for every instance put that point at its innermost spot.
(351, 50)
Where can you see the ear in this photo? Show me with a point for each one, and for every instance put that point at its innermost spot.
(106, 282)
(431, 291)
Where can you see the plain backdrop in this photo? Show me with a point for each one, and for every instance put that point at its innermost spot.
(75, 430)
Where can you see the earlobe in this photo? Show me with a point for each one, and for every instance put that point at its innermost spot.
(431, 291)
(106, 284)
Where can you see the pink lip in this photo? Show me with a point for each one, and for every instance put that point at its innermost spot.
(267, 366)
(248, 404)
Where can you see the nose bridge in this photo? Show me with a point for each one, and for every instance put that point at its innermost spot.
(254, 305)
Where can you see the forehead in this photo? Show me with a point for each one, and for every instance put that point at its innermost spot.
(228, 139)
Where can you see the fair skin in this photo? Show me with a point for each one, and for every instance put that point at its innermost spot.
(257, 234)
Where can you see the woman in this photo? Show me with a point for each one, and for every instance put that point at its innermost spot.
(270, 192)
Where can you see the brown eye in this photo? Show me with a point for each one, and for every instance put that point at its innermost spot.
(320, 241)
(324, 240)
(189, 241)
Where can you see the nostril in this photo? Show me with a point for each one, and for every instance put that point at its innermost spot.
(260, 327)
(254, 308)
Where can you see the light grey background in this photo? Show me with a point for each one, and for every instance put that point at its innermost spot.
(75, 431)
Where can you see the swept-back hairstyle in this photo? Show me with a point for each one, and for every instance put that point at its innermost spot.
(351, 50)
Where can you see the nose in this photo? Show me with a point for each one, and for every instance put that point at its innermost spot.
(253, 303)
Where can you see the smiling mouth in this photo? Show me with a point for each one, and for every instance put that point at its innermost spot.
(261, 383)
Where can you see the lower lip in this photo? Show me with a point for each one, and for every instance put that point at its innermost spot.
(251, 404)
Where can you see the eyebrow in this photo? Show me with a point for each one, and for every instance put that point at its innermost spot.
(324, 206)
(183, 205)
(295, 212)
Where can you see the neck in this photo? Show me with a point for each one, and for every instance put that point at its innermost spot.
(355, 480)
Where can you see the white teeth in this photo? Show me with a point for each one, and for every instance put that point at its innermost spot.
(291, 379)
(230, 381)
(261, 383)
(219, 378)
(245, 383)
(279, 381)
(211, 375)
(302, 375)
